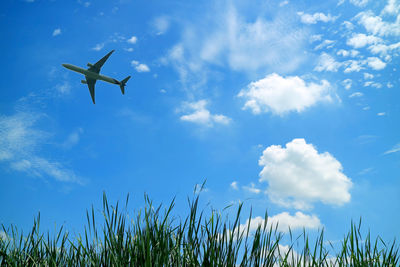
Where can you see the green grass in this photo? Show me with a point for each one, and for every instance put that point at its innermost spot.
(156, 238)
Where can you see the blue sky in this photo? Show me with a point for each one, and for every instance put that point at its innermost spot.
(290, 106)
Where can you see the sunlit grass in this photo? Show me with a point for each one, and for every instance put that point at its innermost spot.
(156, 238)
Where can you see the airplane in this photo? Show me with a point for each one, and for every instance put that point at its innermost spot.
(92, 75)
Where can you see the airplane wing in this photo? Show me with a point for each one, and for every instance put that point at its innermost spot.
(96, 67)
(91, 82)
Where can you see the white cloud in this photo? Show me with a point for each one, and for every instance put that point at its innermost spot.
(348, 25)
(347, 83)
(284, 220)
(73, 138)
(314, 18)
(129, 49)
(376, 63)
(57, 32)
(389, 85)
(326, 43)
(353, 65)
(132, 40)
(394, 149)
(298, 176)
(201, 115)
(283, 3)
(142, 68)
(242, 44)
(392, 8)
(343, 52)
(139, 66)
(161, 24)
(315, 37)
(346, 53)
(381, 113)
(252, 189)
(234, 185)
(281, 95)
(383, 49)
(356, 94)
(377, 26)
(368, 76)
(327, 63)
(63, 88)
(360, 40)
(373, 84)
(359, 3)
(98, 47)
(20, 142)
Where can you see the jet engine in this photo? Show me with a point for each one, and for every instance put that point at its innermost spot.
(89, 65)
(83, 81)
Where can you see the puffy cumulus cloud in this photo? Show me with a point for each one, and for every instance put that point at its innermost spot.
(314, 18)
(297, 176)
(376, 63)
(201, 115)
(281, 95)
(377, 26)
(327, 63)
(132, 40)
(360, 40)
(284, 221)
(140, 67)
(19, 145)
(392, 8)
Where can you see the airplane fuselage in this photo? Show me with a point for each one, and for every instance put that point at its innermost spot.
(90, 74)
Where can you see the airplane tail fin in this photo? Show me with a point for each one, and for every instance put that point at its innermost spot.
(123, 83)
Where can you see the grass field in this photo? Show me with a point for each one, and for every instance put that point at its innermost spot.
(156, 238)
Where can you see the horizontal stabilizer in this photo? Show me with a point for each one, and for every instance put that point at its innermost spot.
(123, 83)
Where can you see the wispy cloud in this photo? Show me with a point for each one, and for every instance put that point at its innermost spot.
(394, 149)
(57, 32)
(252, 188)
(20, 143)
(161, 24)
(73, 138)
(234, 185)
(98, 47)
